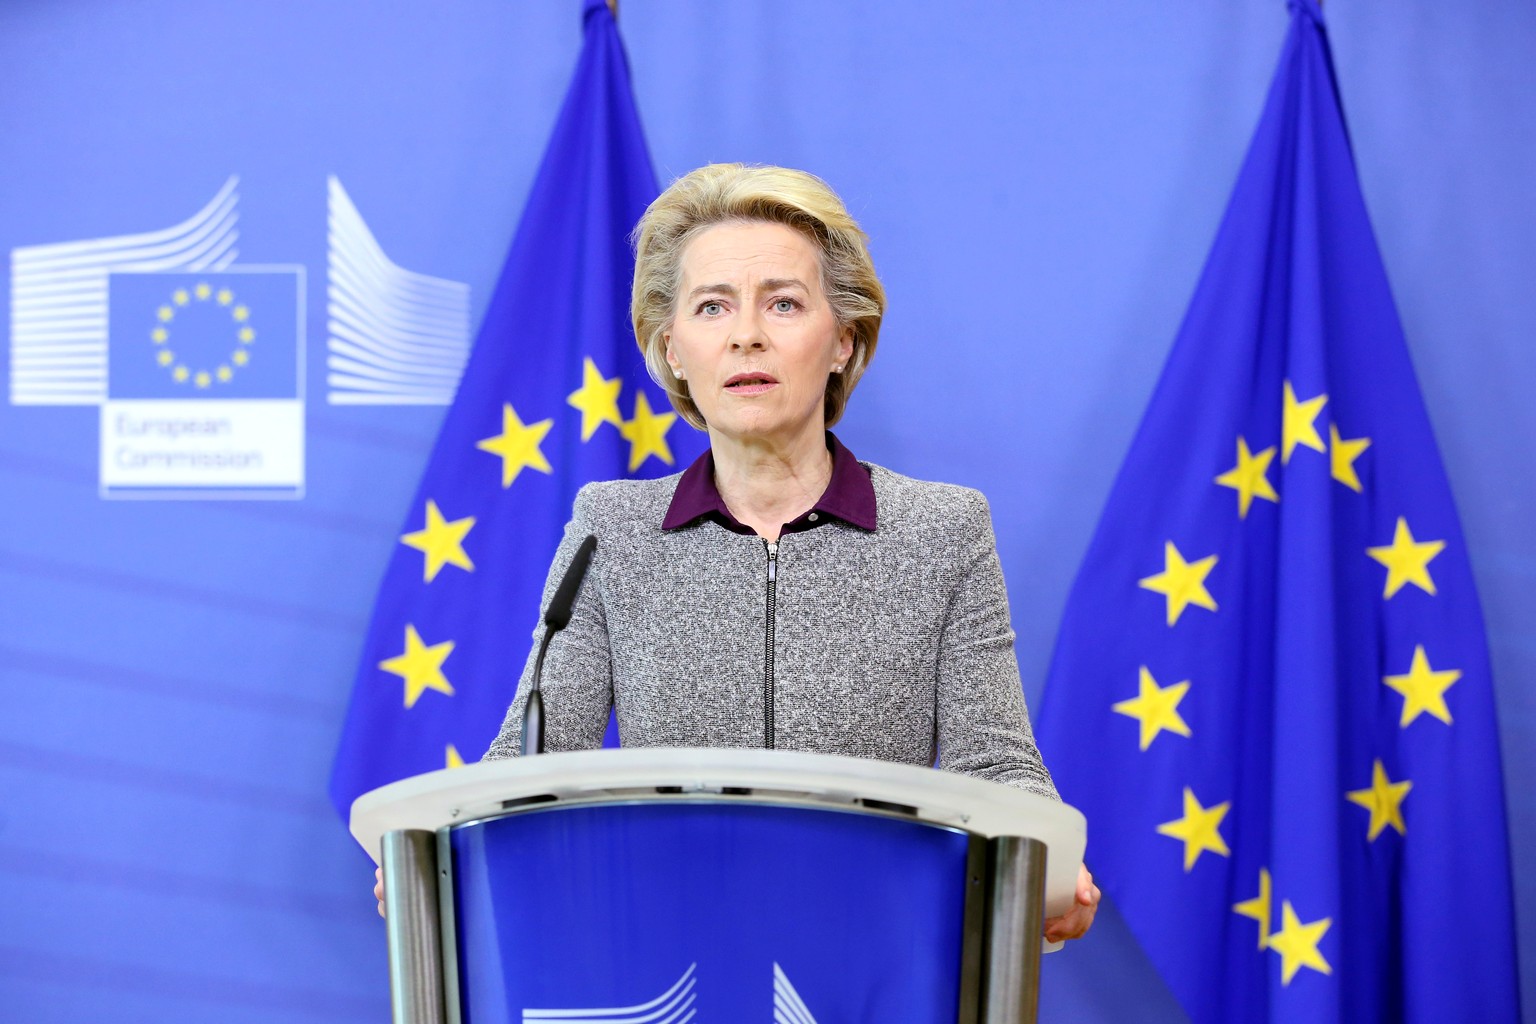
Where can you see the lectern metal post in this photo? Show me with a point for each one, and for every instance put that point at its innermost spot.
(1015, 920)
(409, 859)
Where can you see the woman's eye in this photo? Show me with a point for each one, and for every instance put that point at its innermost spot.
(784, 306)
(711, 309)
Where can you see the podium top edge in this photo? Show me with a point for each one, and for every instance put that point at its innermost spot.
(455, 795)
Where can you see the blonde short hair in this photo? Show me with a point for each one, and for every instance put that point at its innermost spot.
(721, 193)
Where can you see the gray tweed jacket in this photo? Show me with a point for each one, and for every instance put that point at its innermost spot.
(893, 644)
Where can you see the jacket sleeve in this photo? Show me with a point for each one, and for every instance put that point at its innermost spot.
(983, 725)
(578, 674)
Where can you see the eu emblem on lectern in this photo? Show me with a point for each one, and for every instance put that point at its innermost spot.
(678, 1004)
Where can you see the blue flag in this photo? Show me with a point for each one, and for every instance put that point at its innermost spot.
(555, 394)
(1271, 691)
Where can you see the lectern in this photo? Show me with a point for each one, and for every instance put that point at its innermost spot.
(657, 886)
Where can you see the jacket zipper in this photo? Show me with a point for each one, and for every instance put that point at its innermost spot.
(773, 576)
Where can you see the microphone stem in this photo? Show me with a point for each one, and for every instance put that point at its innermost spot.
(533, 710)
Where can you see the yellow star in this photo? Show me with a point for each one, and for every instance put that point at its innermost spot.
(180, 373)
(180, 297)
(225, 296)
(420, 666)
(241, 313)
(1297, 944)
(452, 758)
(246, 335)
(1183, 583)
(1300, 423)
(165, 357)
(1156, 708)
(1342, 454)
(1407, 560)
(597, 398)
(159, 335)
(517, 445)
(1423, 689)
(165, 313)
(441, 541)
(1199, 828)
(202, 291)
(1248, 478)
(1258, 907)
(240, 357)
(1384, 799)
(225, 373)
(646, 433)
(201, 379)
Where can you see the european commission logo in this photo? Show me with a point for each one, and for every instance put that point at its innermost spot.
(204, 383)
(677, 1004)
(196, 362)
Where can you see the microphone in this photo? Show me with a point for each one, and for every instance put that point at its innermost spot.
(556, 617)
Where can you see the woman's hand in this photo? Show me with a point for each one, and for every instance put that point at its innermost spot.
(378, 889)
(1074, 924)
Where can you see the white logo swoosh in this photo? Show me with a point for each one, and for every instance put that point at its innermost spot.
(59, 298)
(674, 1006)
(396, 337)
(788, 1007)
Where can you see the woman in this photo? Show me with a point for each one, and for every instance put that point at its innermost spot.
(779, 593)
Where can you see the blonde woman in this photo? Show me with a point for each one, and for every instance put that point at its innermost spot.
(779, 593)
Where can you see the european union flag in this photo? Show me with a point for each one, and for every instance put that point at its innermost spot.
(554, 394)
(1274, 642)
(215, 334)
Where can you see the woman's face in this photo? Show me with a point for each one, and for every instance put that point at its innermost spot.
(753, 333)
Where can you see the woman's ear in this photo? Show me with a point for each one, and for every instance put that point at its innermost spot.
(845, 346)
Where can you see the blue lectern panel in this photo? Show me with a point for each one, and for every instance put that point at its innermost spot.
(734, 912)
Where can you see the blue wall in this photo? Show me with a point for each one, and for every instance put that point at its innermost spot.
(1041, 182)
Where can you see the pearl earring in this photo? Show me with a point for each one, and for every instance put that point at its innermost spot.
(678, 374)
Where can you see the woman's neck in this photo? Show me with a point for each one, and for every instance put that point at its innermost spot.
(766, 485)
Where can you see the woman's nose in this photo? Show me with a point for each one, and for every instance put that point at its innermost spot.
(747, 331)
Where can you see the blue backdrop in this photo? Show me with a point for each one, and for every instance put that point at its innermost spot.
(1041, 182)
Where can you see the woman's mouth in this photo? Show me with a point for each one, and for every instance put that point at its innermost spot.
(750, 383)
